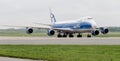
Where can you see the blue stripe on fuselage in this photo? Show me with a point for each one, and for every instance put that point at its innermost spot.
(82, 25)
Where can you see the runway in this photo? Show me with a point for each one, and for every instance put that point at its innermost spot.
(15, 59)
(60, 41)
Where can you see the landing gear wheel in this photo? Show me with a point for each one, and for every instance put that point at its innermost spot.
(71, 35)
(64, 35)
(59, 35)
(88, 36)
(79, 35)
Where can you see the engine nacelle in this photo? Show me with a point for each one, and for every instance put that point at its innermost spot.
(95, 32)
(51, 32)
(29, 30)
(104, 30)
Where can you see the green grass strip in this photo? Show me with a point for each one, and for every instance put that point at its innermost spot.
(63, 52)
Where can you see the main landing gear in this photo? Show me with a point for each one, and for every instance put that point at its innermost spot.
(71, 35)
(59, 35)
(79, 35)
(65, 35)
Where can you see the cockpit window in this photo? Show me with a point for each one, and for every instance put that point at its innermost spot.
(90, 18)
(87, 18)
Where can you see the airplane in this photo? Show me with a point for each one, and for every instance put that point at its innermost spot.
(71, 27)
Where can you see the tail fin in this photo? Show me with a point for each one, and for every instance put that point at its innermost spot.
(52, 16)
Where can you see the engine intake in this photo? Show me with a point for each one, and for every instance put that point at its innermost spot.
(51, 32)
(95, 32)
(29, 30)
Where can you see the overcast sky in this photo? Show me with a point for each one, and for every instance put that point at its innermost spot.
(24, 12)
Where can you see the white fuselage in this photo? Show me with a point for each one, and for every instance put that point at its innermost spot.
(80, 25)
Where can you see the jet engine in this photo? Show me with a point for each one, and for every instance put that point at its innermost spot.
(51, 32)
(104, 30)
(29, 30)
(95, 32)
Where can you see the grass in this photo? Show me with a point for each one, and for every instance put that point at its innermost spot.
(23, 34)
(111, 34)
(14, 34)
(63, 52)
(43, 33)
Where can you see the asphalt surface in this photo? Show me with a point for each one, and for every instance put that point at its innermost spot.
(15, 59)
(60, 41)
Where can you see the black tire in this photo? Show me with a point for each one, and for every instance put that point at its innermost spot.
(89, 36)
(59, 36)
(64, 35)
(71, 36)
(79, 35)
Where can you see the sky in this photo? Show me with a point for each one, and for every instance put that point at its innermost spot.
(26, 12)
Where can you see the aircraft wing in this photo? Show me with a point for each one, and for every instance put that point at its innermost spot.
(72, 30)
(103, 26)
(30, 26)
(43, 24)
